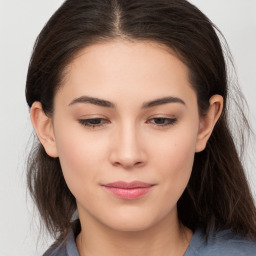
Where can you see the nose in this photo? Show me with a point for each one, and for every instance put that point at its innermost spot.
(127, 148)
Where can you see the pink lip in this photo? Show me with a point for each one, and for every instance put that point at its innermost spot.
(128, 190)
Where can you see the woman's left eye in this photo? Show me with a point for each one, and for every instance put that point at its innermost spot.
(162, 121)
(93, 122)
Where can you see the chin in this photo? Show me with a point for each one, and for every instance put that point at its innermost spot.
(130, 225)
(134, 221)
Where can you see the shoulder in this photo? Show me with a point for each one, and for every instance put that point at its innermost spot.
(66, 248)
(224, 243)
(54, 250)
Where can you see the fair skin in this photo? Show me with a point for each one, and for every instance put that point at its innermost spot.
(128, 135)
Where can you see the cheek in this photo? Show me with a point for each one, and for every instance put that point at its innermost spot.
(181, 154)
(174, 159)
(79, 158)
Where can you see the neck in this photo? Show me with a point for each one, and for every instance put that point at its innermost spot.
(167, 238)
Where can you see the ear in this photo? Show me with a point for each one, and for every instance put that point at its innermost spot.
(43, 126)
(208, 121)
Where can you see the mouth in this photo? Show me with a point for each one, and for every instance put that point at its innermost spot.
(128, 190)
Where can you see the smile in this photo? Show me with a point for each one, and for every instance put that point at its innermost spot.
(128, 190)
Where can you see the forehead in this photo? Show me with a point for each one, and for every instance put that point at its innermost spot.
(143, 68)
(110, 54)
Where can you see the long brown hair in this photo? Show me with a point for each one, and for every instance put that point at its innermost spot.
(217, 195)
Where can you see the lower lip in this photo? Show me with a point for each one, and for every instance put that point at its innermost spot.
(128, 193)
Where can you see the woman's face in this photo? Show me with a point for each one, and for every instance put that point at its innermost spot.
(126, 127)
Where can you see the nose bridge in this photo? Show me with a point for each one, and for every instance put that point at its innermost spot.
(128, 150)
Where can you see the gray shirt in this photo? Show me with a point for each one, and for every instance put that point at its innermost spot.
(224, 243)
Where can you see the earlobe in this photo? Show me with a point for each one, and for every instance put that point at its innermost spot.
(208, 121)
(44, 129)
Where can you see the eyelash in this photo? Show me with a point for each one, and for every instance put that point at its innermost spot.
(100, 122)
(167, 121)
(90, 123)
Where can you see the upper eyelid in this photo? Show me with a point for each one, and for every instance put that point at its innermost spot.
(86, 122)
(105, 121)
(92, 118)
(98, 116)
(104, 118)
(161, 117)
(173, 119)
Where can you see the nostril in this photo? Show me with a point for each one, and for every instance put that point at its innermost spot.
(116, 164)
(128, 165)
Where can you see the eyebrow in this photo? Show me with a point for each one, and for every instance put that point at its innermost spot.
(162, 101)
(94, 101)
(108, 104)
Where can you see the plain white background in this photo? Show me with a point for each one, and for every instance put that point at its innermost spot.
(20, 23)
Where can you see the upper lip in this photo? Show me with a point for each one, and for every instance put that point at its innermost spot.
(127, 185)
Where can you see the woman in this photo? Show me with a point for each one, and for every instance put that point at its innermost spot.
(129, 102)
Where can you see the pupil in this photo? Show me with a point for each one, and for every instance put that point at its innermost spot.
(159, 120)
(95, 121)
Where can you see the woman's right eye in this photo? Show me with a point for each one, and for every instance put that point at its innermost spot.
(93, 122)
